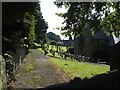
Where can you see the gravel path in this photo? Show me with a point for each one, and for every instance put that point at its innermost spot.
(42, 75)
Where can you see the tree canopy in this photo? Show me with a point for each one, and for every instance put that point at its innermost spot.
(22, 24)
(98, 14)
(53, 36)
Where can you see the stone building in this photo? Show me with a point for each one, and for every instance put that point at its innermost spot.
(67, 42)
(93, 46)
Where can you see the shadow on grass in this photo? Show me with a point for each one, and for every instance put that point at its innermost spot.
(54, 57)
(106, 80)
(35, 47)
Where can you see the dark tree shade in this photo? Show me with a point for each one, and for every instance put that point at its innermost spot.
(21, 21)
(13, 11)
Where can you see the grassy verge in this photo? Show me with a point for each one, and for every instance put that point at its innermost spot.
(29, 71)
(30, 65)
(79, 69)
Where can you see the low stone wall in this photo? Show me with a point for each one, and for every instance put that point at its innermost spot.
(16, 59)
(3, 80)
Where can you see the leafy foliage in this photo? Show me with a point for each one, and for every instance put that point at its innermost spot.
(17, 10)
(25, 22)
(53, 42)
(111, 22)
(41, 25)
(80, 13)
(53, 36)
(20, 27)
(30, 28)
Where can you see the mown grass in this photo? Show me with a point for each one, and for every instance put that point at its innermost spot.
(29, 68)
(40, 49)
(63, 48)
(79, 69)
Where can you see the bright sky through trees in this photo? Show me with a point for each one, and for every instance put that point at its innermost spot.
(48, 11)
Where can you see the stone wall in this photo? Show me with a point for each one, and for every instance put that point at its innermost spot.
(17, 59)
(77, 46)
(19, 56)
(87, 34)
(3, 81)
(83, 44)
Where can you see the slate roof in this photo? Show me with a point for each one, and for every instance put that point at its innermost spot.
(67, 42)
(117, 45)
(100, 35)
(111, 40)
(117, 39)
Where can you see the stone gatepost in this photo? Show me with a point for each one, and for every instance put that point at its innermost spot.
(20, 54)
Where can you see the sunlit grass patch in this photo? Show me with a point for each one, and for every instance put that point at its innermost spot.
(29, 71)
(30, 68)
(79, 69)
(41, 51)
(36, 44)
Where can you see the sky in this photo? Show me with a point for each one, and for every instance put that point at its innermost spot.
(49, 9)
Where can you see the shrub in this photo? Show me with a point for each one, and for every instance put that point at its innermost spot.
(70, 50)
